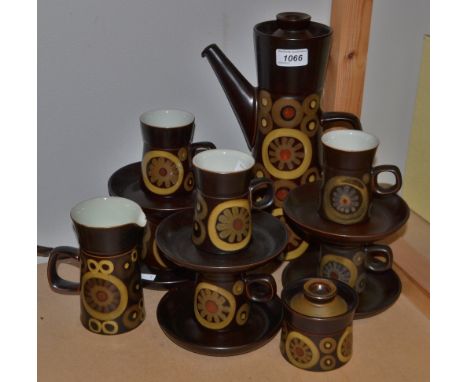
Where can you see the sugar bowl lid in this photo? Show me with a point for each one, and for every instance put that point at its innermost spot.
(318, 298)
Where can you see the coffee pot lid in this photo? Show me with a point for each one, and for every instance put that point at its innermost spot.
(293, 26)
(292, 21)
(319, 298)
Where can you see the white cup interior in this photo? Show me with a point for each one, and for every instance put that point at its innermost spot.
(223, 161)
(107, 212)
(169, 118)
(350, 140)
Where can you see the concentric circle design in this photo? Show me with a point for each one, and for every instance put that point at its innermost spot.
(265, 123)
(301, 351)
(198, 232)
(327, 345)
(94, 325)
(260, 171)
(310, 176)
(310, 125)
(134, 255)
(287, 112)
(104, 296)
(345, 345)
(359, 258)
(157, 256)
(345, 200)
(361, 283)
(243, 314)
(93, 265)
(311, 104)
(286, 153)
(106, 267)
(238, 288)
(162, 171)
(189, 182)
(201, 209)
(182, 154)
(229, 225)
(214, 306)
(339, 268)
(366, 178)
(264, 100)
(281, 190)
(110, 327)
(328, 362)
(131, 317)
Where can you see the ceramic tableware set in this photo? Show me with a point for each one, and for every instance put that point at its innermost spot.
(205, 222)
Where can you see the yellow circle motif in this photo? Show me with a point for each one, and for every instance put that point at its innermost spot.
(287, 112)
(198, 233)
(311, 104)
(327, 345)
(189, 182)
(328, 362)
(93, 265)
(182, 154)
(106, 267)
(238, 287)
(102, 282)
(311, 175)
(287, 148)
(265, 123)
(338, 267)
(214, 306)
(301, 351)
(201, 209)
(309, 125)
(345, 345)
(110, 327)
(131, 317)
(265, 100)
(172, 185)
(243, 314)
(134, 255)
(219, 225)
(94, 325)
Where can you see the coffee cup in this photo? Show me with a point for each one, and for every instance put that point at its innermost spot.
(226, 192)
(349, 180)
(109, 231)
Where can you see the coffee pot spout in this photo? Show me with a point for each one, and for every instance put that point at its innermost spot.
(241, 94)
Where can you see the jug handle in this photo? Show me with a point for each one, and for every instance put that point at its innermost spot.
(339, 119)
(58, 284)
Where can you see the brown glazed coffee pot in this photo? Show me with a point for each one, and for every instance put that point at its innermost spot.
(281, 119)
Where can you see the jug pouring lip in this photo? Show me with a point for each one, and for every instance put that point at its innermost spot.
(107, 212)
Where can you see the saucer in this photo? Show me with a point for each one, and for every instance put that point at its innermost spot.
(126, 182)
(381, 292)
(174, 237)
(177, 320)
(162, 279)
(387, 215)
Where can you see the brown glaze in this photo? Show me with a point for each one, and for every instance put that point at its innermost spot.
(381, 292)
(269, 238)
(350, 182)
(222, 220)
(350, 264)
(110, 287)
(387, 215)
(314, 342)
(222, 301)
(177, 320)
(281, 119)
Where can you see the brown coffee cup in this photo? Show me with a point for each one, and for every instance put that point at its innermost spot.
(168, 151)
(222, 300)
(350, 264)
(109, 231)
(349, 179)
(226, 194)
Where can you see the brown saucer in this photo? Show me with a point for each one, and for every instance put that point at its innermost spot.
(174, 237)
(177, 320)
(387, 215)
(164, 279)
(382, 289)
(126, 182)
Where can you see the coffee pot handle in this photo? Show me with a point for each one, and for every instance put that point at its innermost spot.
(260, 288)
(331, 119)
(198, 147)
(58, 284)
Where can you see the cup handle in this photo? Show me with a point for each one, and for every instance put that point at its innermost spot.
(58, 284)
(198, 147)
(337, 118)
(260, 184)
(260, 295)
(378, 189)
(375, 251)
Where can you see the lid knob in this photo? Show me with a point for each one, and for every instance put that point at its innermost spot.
(319, 291)
(293, 20)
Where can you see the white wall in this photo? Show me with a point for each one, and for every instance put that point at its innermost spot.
(101, 64)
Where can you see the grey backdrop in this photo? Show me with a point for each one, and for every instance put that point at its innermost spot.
(102, 63)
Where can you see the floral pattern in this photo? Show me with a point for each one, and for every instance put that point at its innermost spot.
(233, 224)
(101, 295)
(162, 172)
(286, 153)
(212, 306)
(346, 199)
(335, 270)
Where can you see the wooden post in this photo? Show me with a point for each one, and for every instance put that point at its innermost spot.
(344, 86)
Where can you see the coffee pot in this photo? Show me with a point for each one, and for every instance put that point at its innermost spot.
(281, 118)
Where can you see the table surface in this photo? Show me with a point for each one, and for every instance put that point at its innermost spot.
(393, 346)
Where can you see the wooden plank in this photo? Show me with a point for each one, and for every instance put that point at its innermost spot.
(344, 86)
